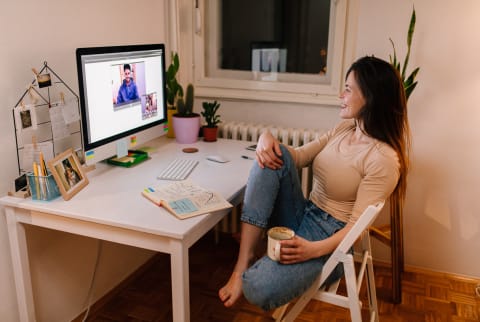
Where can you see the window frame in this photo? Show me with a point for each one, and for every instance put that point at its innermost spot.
(188, 34)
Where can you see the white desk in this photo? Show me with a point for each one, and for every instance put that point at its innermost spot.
(111, 208)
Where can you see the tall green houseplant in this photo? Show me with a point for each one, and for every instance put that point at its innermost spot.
(174, 89)
(409, 82)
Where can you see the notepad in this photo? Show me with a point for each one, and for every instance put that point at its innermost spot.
(185, 199)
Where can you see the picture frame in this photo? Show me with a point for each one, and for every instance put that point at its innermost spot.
(68, 173)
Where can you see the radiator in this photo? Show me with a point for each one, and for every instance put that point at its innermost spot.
(250, 132)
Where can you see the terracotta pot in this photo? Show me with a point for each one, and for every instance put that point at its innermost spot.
(186, 128)
(210, 134)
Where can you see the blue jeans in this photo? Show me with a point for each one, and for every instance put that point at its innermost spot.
(275, 198)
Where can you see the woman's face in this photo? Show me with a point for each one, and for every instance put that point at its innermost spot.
(352, 98)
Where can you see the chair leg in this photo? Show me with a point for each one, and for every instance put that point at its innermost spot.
(394, 239)
(397, 257)
(371, 292)
(300, 304)
(370, 277)
(279, 312)
(351, 284)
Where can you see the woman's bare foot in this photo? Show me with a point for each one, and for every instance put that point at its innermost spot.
(232, 291)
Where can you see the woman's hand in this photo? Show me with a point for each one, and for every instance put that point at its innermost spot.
(268, 152)
(296, 250)
(299, 249)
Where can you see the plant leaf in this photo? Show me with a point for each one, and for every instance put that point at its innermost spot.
(409, 89)
(176, 62)
(411, 28)
(409, 82)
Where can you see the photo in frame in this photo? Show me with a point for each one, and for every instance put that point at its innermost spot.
(68, 173)
(44, 80)
(26, 117)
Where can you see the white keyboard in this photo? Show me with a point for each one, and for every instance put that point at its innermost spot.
(178, 169)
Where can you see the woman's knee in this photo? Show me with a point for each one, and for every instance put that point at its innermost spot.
(286, 156)
(284, 149)
(267, 284)
(257, 293)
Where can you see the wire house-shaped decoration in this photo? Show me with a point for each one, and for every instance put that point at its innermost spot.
(46, 119)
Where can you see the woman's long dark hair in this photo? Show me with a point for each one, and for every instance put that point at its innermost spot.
(384, 115)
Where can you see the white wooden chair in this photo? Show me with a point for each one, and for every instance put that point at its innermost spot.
(353, 281)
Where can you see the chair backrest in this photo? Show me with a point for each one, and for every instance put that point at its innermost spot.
(365, 220)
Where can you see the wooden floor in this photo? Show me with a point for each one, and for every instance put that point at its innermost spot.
(429, 297)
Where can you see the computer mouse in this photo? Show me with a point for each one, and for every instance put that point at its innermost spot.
(217, 158)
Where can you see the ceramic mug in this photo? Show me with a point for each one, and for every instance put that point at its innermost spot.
(275, 235)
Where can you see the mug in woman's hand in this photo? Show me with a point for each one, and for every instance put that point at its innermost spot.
(275, 235)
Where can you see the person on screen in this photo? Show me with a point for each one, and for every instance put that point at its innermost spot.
(361, 161)
(128, 90)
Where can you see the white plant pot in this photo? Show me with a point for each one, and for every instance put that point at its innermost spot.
(186, 128)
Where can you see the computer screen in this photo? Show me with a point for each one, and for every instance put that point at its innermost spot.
(122, 97)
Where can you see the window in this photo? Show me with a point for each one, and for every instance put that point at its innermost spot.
(272, 50)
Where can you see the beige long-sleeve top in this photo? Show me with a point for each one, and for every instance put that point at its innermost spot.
(347, 178)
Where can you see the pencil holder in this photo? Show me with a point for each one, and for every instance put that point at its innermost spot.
(43, 187)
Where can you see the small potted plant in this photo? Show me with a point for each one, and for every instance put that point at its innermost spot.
(212, 119)
(186, 123)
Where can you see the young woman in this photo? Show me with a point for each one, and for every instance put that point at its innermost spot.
(362, 161)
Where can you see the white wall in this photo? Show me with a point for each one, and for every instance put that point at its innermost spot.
(51, 30)
(442, 223)
(441, 219)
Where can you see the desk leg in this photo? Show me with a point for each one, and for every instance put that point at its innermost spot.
(21, 266)
(180, 283)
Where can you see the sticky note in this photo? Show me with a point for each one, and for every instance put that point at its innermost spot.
(133, 140)
(90, 154)
(183, 206)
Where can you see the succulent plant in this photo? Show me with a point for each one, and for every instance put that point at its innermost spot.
(210, 113)
(185, 104)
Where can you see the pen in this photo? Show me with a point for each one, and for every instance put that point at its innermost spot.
(42, 165)
(247, 157)
(36, 178)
